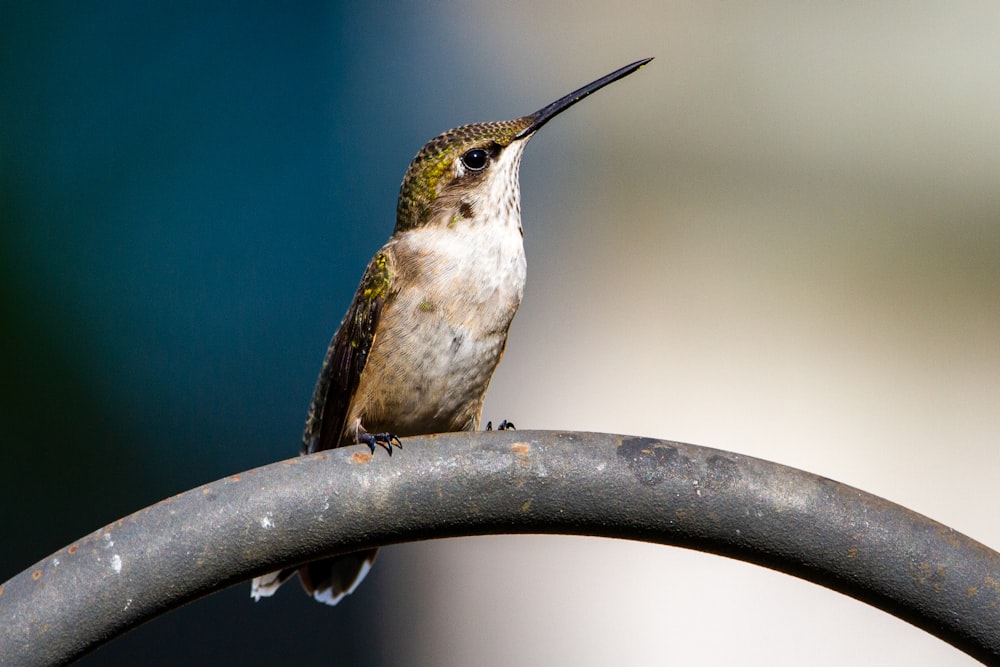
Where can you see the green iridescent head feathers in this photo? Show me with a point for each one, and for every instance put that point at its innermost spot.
(434, 166)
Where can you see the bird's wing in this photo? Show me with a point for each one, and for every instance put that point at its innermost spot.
(346, 357)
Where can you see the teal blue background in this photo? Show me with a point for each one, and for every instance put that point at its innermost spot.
(189, 194)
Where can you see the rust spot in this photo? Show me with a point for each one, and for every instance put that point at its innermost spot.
(1, 591)
(359, 457)
(852, 552)
(926, 574)
(234, 478)
(526, 505)
(206, 491)
(972, 591)
(521, 448)
(36, 575)
(72, 549)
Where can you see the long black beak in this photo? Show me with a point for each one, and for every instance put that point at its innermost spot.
(544, 115)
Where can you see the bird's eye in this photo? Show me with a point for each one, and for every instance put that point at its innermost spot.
(475, 159)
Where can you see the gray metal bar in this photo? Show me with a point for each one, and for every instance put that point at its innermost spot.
(342, 500)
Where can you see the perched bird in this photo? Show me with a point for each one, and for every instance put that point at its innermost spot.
(428, 324)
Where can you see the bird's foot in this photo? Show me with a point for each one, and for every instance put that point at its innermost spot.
(386, 440)
(502, 426)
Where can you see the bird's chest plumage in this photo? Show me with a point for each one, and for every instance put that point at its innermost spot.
(443, 332)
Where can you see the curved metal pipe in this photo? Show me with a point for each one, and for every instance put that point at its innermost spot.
(479, 483)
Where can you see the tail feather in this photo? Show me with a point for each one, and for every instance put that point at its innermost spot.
(267, 585)
(327, 580)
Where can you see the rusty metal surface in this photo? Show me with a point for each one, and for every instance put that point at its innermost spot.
(343, 500)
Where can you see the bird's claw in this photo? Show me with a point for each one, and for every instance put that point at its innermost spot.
(386, 440)
(502, 426)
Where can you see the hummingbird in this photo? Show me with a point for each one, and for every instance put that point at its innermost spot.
(417, 348)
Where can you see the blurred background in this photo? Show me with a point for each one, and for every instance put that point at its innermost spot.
(781, 238)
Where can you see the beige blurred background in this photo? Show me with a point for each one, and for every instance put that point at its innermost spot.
(781, 238)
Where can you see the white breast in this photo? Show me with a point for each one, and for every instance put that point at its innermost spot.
(442, 335)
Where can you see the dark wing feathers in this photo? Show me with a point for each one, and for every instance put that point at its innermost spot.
(346, 358)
